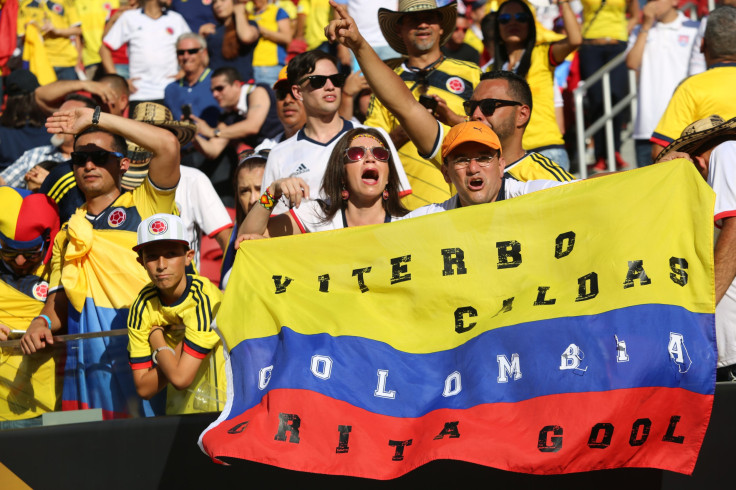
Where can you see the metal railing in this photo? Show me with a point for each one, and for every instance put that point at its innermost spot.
(609, 112)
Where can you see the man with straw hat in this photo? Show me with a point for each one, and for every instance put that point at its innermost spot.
(710, 144)
(94, 275)
(418, 30)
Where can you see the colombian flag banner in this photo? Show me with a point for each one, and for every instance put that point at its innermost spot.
(563, 331)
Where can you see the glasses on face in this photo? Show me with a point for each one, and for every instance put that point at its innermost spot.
(98, 157)
(180, 52)
(487, 106)
(218, 88)
(319, 81)
(282, 92)
(11, 253)
(521, 17)
(357, 153)
(481, 160)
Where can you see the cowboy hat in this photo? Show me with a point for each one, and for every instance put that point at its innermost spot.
(160, 116)
(389, 20)
(701, 136)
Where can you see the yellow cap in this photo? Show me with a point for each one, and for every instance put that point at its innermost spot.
(282, 77)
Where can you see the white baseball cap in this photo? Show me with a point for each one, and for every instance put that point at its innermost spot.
(161, 227)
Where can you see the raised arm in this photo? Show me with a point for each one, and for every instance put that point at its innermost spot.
(50, 96)
(387, 86)
(561, 49)
(259, 220)
(164, 166)
(247, 32)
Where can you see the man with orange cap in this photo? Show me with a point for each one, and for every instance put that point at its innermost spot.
(28, 224)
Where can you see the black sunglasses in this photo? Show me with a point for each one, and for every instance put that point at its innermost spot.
(522, 17)
(98, 157)
(180, 52)
(487, 106)
(319, 81)
(282, 92)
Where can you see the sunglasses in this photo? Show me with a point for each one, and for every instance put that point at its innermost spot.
(357, 153)
(180, 52)
(11, 253)
(282, 92)
(319, 81)
(522, 17)
(487, 106)
(98, 157)
(218, 88)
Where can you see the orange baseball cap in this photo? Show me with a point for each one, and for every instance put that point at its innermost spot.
(467, 132)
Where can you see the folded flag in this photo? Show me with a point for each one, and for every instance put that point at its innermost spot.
(567, 330)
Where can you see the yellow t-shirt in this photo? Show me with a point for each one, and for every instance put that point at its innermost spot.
(268, 53)
(63, 15)
(542, 130)
(93, 14)
(535, 166)
(609, 22)
(319, 14)
(29, 384)
(454, 81)
(696, 98)
(195, 310)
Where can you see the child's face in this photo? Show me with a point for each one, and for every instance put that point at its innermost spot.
(165, 263)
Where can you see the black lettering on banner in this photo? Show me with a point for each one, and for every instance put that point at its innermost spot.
(679, 273)
(459, 313)
(288, 422)
(635, 439)
(281, 286)
(324, 283)
(361, 282)
(607, 429)
(450, 429)
(636, 271)
(555, 441)
(456, 257)
(670, 435)
(399, 453)
(587, 287)
(342, 445)
(237, 429)
(541, 297)
(560, 243)
(397, 269)
(507, 305)
(509, 254)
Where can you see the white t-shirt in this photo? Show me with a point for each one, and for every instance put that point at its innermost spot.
(697, 59)
(365, 13)
(512, 188)
(722, 178)
(664, 65)
(300, 156)
(200, 208)
(151, 49)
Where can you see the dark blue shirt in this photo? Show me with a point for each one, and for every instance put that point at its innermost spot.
(198, 96)
(16, 141)
(243, 62)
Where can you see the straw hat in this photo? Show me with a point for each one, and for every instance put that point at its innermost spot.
(701, 136)
(160, 116)
(389, 20)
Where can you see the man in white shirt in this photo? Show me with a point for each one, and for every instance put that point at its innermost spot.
(315, 81)
(151, 33)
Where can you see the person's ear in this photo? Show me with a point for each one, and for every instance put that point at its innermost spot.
(523, 114)
(296, 91)
(124, 164)
(701, 164)
(189, 257)
(501, 164)
(446, 172)
(140, 259)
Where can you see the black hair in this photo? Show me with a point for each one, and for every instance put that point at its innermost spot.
(518, 86)
(304, 64)
(83, 99)
(501, 56)
(21, 110)
(231, 74)
(118, 142)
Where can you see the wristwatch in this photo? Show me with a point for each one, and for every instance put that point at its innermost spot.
(216, 133)
(96, 116)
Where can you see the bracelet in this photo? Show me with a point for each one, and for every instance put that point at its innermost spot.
(96, 116)
(46, 319)
(155, 353)
(267, 200)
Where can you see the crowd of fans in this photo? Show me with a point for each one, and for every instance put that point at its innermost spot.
(161, 127)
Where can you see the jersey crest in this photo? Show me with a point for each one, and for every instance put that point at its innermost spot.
(40, 291)
(117, 218)
(456, 85)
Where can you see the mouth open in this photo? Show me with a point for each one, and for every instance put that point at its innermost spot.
(370, 176)
(475, 184)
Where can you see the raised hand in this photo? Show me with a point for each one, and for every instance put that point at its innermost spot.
(343, 29)
(70, 122)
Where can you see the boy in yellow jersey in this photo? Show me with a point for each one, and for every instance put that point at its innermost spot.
(161, 352)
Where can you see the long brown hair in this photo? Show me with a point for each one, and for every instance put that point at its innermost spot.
(332, 182)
